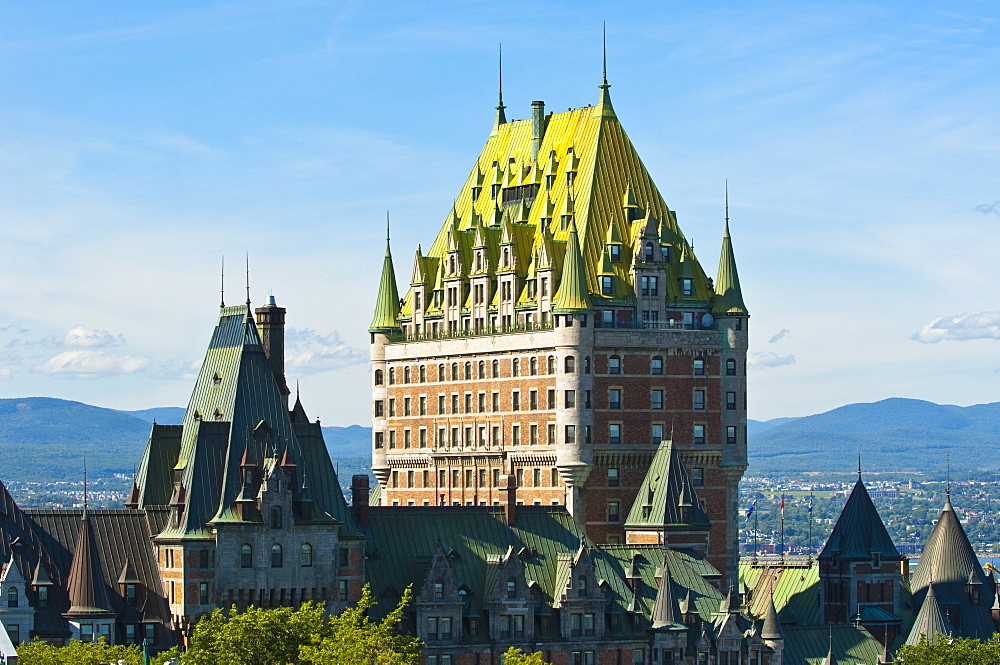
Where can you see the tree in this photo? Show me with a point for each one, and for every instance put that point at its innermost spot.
(354, 639)
(949, 651)
(76, 653)
(255, 636)
(515, 656)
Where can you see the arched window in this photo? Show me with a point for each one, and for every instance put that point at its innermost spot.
(12, 597)
(452, 265)
(423, 374)
(392, 376)
(306, 556)
(649, 251)
(731, 367)
(533, 366)
(506, 257)
(275, 517)
(482, 369)
(440, 372)
(277, 559)
(614, 365)
(246, 557)
(468, 371)
(406, 375)
(656, 365)
(551, 365)
(454, 371)
(378, 377)
(570, 364)
(496, 369)
(512, 588)
(515, 367)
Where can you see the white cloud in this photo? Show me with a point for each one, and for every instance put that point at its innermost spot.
(768, 359)
(977, 325)
(309, 352)
(90, 364)
(6, 373)
(780, 335)
(81, 336)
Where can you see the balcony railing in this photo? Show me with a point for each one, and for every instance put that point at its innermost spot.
(484, 331)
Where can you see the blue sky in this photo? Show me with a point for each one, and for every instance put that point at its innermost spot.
(140, 142)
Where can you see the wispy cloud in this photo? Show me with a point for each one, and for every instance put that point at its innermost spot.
(91, 363)
(5, 373)
(309, 352)
(768, 360)
(977, 325)
(780, 335)
(989, 208)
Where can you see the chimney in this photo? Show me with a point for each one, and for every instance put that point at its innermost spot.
(359, 499)
(508, 498)
(537, 127)
(271, 328)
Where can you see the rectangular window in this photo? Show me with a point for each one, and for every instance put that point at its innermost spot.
(536, 478)
(614, 511)
(613, 478)
(406, 406)
(203, 593)
(482, 402)
(442, 478)
(423, 406)
(409, 479)
(533, 400)
(496, 435)
(614, 365)
(407, 438)
(657, 434)
(432, 628)
(615, 398)
(533, 435)
(468, 478)
(445, 628)
(496, 477)
(468, 436)
(698, 477)
(699, 400)
(441, 437)
(496, 401)
(614, 433)
(570, 399)
(551, 399)
(699, 434)
(570, 434)
(468, 402)
(638, 656)
(454, 436)
(730, 401)
(392, 438)
(731, 434)
(656, 399)
(379, 439)
(379, 408)
(588, 625)
(482, 477)
(392, 407)
(423, 438)
(607, 286)
(515, 401)
(86, 632)
(342, 589)
(454, 403)
(550, 434)
(519, 474)
(515, 435)
(455, 478)
(440, 405)
(699, 367)
(687, 286)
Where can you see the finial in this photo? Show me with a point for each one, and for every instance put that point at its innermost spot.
(727, 203)
(500, 77)
(604, 54)
(859, 465)
(248, 279)
(85, 484)
(296, 389)
(222, 286)
(947, 465)
(386, 227)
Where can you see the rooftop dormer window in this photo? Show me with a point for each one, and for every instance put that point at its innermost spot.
(616, 253)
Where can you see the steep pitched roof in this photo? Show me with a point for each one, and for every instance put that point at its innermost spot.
(387, 302)
(667, 496)
(666, 614)
(931, 621)
(729, 298)
(771, 630)
(572, 296)
(859, 530)
(87, 591)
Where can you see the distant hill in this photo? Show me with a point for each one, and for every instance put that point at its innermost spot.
(892, 435)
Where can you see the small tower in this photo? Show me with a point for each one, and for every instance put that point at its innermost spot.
(771, 635)
(271, 327)
(384, 323)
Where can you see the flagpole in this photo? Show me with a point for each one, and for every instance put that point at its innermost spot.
(810, 524)
(782, 527)
(756, 530)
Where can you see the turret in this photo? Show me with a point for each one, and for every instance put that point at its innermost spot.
(387, 302)
(271, 327)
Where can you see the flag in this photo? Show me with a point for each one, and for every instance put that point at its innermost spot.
(753, 507)
(809, 508)
(782, 507)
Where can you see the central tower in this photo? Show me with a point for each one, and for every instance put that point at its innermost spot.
(558, 328)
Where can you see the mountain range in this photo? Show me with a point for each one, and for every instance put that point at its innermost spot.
(43, 439)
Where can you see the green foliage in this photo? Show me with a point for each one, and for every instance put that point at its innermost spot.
(164, 656)
(354, 639)
(948, 651)
(76, 653)
(515, 656)
(255, 636)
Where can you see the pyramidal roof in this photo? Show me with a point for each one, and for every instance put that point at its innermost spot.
(666, 613)
(859, 530)
(666, 496)
(87, 594)
(585, 168)
(931, 621)
(948, 556)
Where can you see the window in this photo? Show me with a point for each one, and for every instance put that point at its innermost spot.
(731, 367)
(440, 372)
(533, 435)
(445, 628)
(607, 286)
(131, 595)
(699, 400)
(614, 433)
(342, 589)
(422, 406)
(515, 401)
(130, 633)
(423, 374)
(392, 438)
(378, 377)
(203, 593)
(656, 365)
(12, 597)
(570, 434)
(86, 632)
(515, 435)
(275, 517)
(496, 402)
(496, 369)
(550, 434)
(468, 371)
(730, 401)
(392, 407)
(615, 398)
(698, 477)
(731, 434)
(614, 511)
(550, 365)
(536, 478)
(432, 628)
(203, 559)
(379, 408)
(656, 399)
(392, 376)
(699, 367)
(43, 596)
(496, 477)
(406, 406)
(533, 366)
(511, 588)
(657, 434)
(406, 375)
(454, 371)
(687, 286)
(454, 403)
(306, 556)
(649, 286)
(638, 656)
(441, 409)
(407, 438)
(570, 399)
(613, 478)
(699, 434)
(615, 251)
(614, 365)
(482, 402)
(344, 556)
(277, 557)
(481, 369)
(551, 399)
(515, 367)
(570, 364)
(468, 402)
(586, 364)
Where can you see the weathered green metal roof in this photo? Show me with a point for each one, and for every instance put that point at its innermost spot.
(573, 295)
(931, 621)
(154, 477)
(810, 646)
(667, 496)
(387, 302)
(795, 591)
(859, 530)
(729, 296)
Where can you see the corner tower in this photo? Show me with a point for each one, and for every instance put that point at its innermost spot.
(558, 328)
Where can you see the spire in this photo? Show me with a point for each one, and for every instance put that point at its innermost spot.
(771, 629)
(222, 285)
(501, 117)
(604, 108)
(931, 621)
(830, 660)
(859, 530)
(87, 594)
(729, 297)
(573, 296)
(387, 303)
(248, 280)
(666, 613)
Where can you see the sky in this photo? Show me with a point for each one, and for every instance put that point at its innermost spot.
(142, 142)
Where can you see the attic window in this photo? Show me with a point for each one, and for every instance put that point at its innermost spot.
(687, 286)
(607, 286)
(476, 191)
(218, 414)
(550, 180)
(649, 252)
(616, 253)
(876, 559)
(216, 379)
(565, 220)
(197, 415)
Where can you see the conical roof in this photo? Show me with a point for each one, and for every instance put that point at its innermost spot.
(729, 296)
(666, 496)
(931, 621)
(772, 627)
(87, 591)
(573, 295)
(666, 614)
(387, 302)
(859, 530)
(948, 556)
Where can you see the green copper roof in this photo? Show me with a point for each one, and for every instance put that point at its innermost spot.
(859, 530)
(729, 297)
(387, 303)
(573, 296)
(795, 592)
(931, 621)
(666, 497)
(838, 643)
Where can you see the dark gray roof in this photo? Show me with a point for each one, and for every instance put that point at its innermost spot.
(931, 621)
(859, 530)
